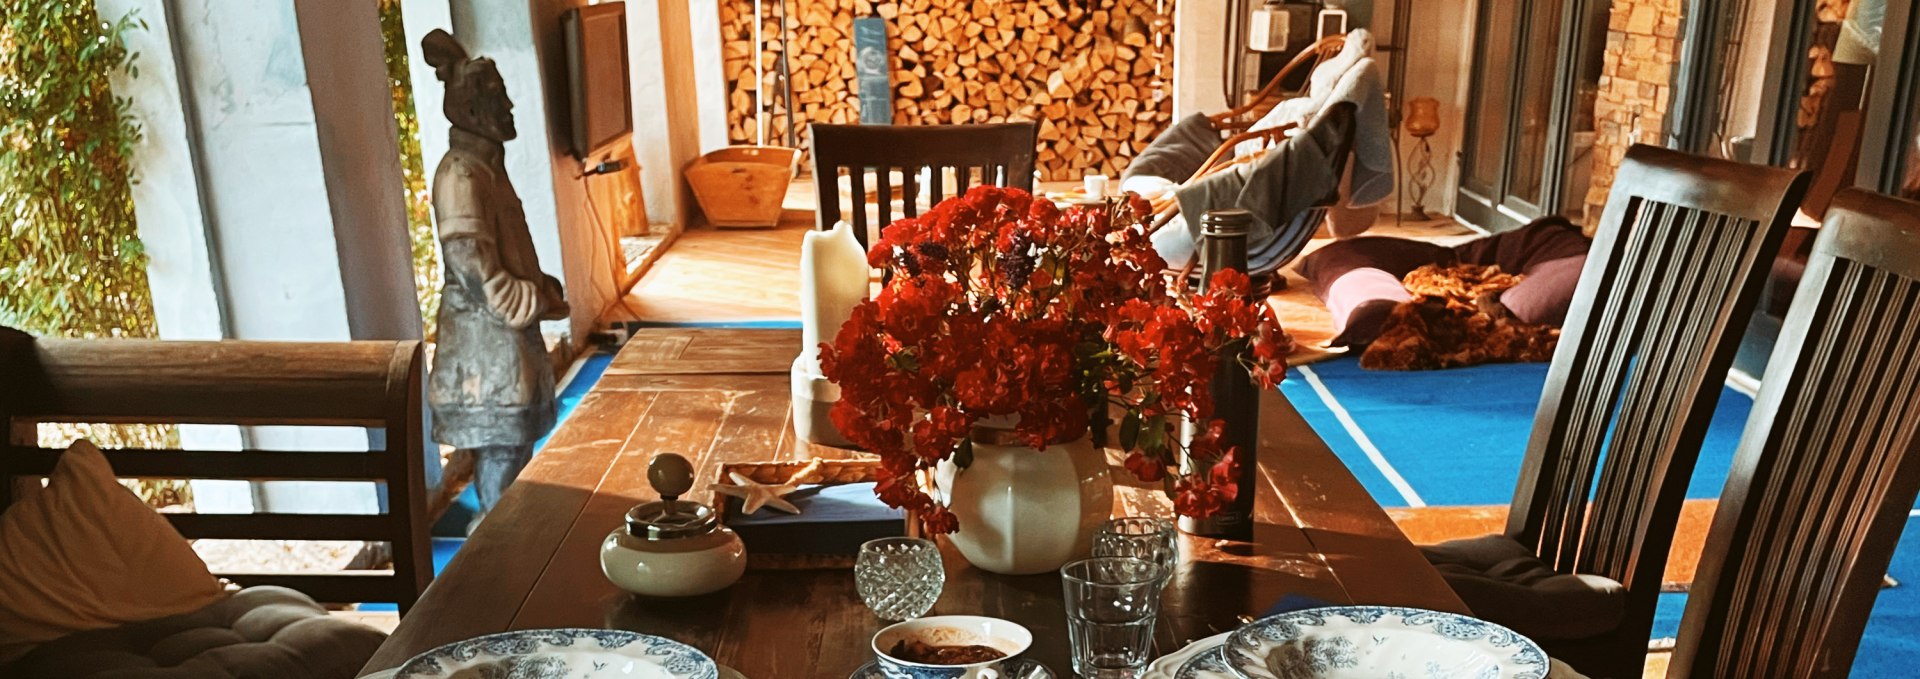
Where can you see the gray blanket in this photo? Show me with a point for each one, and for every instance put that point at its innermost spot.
(1278, 189)
(1178, 152)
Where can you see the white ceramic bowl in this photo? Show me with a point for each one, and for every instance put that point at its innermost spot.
(951, 630)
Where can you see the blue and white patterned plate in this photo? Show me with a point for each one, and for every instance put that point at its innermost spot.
(562, 654)
(1017, 668)
(1208, 664)
(1381, 642)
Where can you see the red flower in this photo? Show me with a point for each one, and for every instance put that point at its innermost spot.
(1000, 304)
(1145, 469)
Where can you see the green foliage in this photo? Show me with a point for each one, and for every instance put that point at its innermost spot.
(426, 250)
(71, 260)
(71, 264)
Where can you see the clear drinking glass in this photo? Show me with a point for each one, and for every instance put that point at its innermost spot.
(1141, 537)
(1111, 606)
(899, 578)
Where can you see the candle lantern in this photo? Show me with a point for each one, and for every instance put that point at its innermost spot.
(1422, 121)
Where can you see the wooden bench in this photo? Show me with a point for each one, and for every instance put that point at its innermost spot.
(376, 385)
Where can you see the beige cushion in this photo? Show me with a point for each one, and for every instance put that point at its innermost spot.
(259, 632)
(1503, 582)
(84, 553)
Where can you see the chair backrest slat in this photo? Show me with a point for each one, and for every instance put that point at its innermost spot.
(1828, 466)
(1002, 154)
(1675, 269)
(376, 385)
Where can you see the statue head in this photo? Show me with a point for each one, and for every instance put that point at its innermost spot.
(476, 98)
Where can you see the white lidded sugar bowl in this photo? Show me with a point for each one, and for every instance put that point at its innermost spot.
(672, 547)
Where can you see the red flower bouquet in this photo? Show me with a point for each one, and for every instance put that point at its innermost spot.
(1002, 305)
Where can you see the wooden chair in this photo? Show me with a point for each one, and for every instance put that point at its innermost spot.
(1828, 467)
(1300, 230)
(1001, 153)
(1675, 269)
(353, 384)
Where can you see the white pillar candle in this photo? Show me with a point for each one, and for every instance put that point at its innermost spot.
(833, 279)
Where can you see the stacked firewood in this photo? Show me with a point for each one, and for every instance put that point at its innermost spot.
(1095, 75)
(1828, 14)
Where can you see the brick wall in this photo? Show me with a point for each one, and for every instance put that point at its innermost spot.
(1643, 42)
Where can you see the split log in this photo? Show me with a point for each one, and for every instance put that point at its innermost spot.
(1093, 74)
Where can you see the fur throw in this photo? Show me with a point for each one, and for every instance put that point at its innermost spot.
(1455, 319)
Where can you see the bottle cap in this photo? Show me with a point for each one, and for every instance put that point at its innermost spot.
(1233, 222)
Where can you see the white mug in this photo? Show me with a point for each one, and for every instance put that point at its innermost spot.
(1095, 185)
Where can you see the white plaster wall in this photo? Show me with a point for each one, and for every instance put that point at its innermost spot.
(266, 196)
(418, 18)
(1199, 29)
(291, 145)
(360, 163)
(709, 69)
(652, 138)
(1439, 64)
(673, 115)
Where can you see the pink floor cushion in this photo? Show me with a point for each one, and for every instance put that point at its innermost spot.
(1360, 302)
(1543, 296)
(257, 632)
(1359, 280)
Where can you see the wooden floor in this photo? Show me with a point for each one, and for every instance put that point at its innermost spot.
(711, 275)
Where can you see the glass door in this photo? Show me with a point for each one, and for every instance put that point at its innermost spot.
(1530, 112)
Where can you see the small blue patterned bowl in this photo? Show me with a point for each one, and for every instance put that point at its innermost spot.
(562, 654)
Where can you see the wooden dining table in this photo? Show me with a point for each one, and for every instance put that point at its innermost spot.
(722, 395)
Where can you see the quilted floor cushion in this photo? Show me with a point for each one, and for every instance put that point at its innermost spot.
(258, 633)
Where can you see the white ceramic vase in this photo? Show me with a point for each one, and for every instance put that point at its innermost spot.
(1024, 511)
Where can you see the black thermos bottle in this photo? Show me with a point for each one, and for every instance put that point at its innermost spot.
(1223, 245)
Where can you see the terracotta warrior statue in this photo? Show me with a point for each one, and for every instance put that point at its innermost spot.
(492, 386)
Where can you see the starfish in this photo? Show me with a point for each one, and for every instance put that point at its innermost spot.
(754, 495)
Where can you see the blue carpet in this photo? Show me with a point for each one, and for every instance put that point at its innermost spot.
(1457, 437)
(443, 549)
(770, 324)
(450, 532)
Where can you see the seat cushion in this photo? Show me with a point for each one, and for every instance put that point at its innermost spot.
(1503, 582)
(85, 553)
(258, 632)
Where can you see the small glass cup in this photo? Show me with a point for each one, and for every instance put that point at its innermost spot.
(1141, 537)
(1111, 606)
(899, 578)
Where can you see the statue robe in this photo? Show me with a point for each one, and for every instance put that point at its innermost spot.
(492, 383)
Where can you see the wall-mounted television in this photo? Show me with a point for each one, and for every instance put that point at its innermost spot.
(599, 98)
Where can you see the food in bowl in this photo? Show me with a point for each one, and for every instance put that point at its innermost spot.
(914, 650)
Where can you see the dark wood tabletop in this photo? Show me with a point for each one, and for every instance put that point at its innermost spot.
(719, 395)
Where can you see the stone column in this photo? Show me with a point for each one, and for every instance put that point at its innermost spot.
(1643, 43)
(671, 111)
